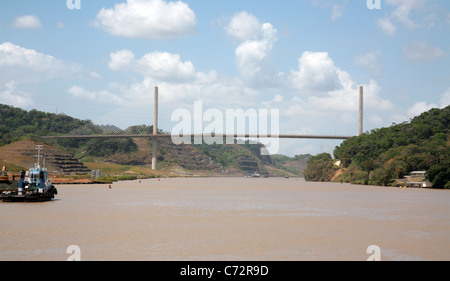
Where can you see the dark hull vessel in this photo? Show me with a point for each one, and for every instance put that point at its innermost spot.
(13, 196)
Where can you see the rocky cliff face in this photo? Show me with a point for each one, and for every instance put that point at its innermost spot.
(58, 162)
(186, 156)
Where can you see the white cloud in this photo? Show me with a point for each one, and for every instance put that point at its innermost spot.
(13, 96)
(121, 60)
(445, 98)
(336, 7)
(153, 19)
(219, 92)
(256, 41)
(277, 99)
(316, 72)
(421, 51)
(165, 65)
(229, 92)
(346, 99)
(244, 26)
(27, 22)
(103, 96)
(328, 89)
(387, 26)
(401, 14)
(403, 10)
(161, 65)
(370, 62)
(418, 108)
(21, 64)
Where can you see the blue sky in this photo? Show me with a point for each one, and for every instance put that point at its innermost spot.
(305, 58)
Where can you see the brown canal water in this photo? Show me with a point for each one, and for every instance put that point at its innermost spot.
(235, 219)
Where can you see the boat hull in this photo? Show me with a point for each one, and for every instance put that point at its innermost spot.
(29, 197)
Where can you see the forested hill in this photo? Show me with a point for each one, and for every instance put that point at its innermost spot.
(386, 154)
(17, 123)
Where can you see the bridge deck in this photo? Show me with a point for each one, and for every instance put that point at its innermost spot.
(199, 135)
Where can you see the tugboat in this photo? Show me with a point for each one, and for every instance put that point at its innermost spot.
(34, 186)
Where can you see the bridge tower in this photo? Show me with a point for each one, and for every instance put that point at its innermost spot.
(360, 131)
(155, 130)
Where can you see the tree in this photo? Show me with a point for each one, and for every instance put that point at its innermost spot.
(367, 166)
(320, 168)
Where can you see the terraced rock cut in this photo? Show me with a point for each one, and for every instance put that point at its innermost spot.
(58, 162)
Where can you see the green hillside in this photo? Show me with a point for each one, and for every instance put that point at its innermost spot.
(386, 154)
(17, 124)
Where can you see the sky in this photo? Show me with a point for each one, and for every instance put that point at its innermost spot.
(100, 60)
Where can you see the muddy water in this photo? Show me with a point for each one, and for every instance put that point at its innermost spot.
(229, 219)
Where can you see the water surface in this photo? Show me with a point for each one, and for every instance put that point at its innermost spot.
(229, 219)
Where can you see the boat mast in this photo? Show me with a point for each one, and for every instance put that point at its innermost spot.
(38, 147)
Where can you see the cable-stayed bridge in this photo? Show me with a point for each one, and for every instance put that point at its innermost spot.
(143, 131)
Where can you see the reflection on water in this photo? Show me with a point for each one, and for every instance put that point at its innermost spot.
(229, 219)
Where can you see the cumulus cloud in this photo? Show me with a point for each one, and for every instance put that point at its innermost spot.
(153, 19)
(346, 99)
(401, 14)
(316, 72)
(324, 88)
(403, 10)
(15, 97)
(21, 64)
(102, 96)
(256, 41)
(419, 108)
(445, 98)
(421, 51)
(121, 60)
(27, 22)
(178, 79)
(161, 65)
(244, 26)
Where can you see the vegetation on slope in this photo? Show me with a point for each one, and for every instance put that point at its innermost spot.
(384, 155)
